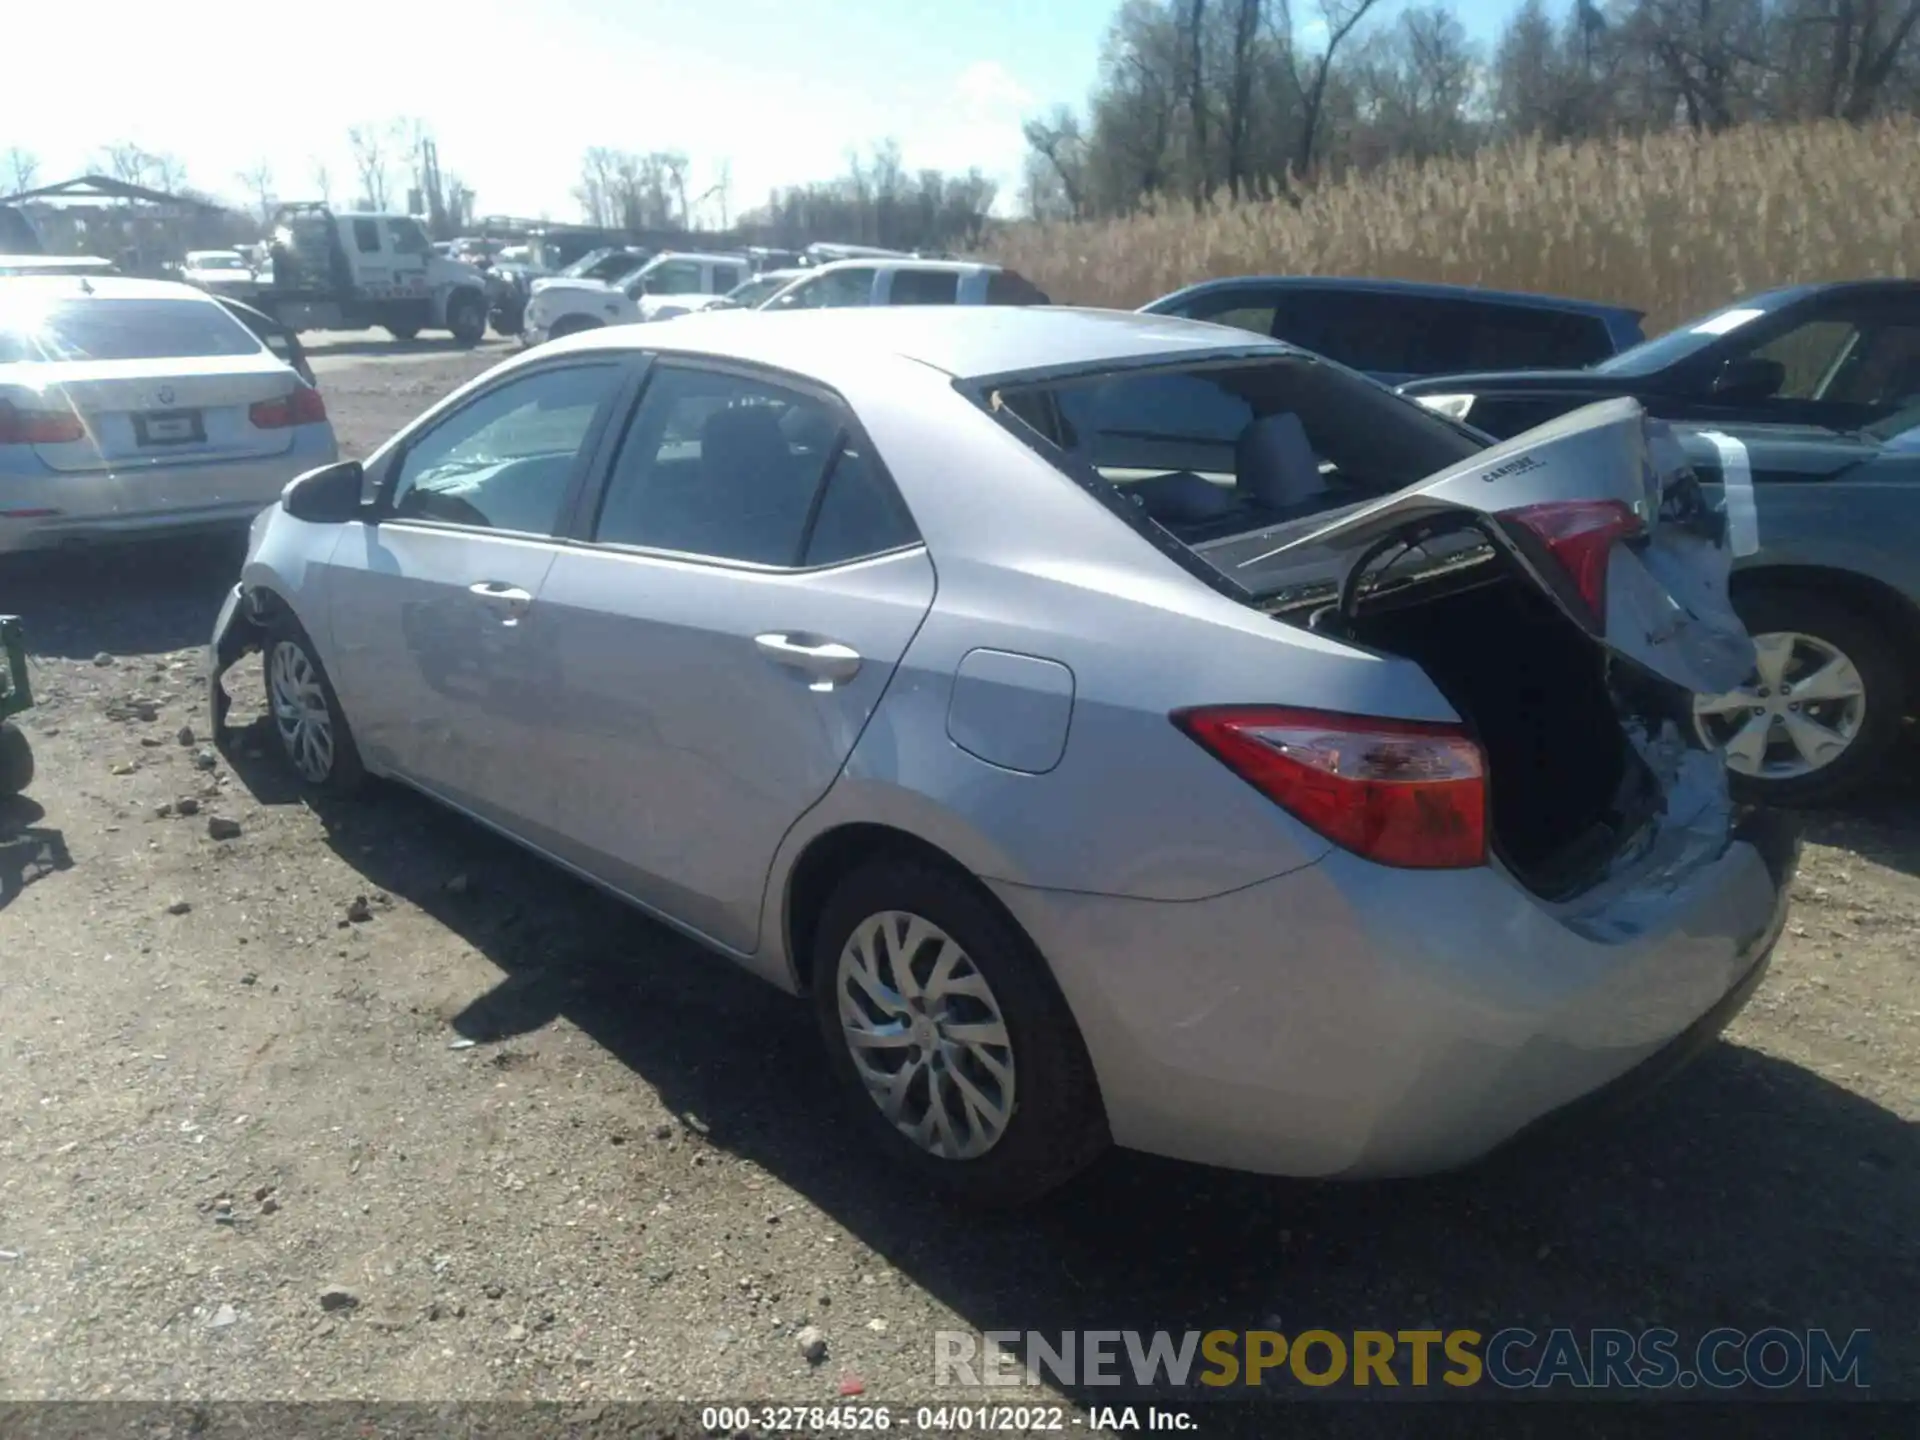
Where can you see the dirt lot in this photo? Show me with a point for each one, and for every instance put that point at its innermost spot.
(235, 1076)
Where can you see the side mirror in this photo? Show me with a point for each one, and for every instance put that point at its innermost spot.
(1750, 377)
(327, 496)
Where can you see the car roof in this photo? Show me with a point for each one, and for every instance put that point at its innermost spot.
(1408, 288)
(99, 287)
(901, 262)
(719, 257)
(968, 342)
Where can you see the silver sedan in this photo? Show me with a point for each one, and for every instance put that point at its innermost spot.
(139, 407)
(1124, 729)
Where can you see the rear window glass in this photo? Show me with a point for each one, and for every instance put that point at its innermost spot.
(1424, 335)
(1212, 453)
(121, 330)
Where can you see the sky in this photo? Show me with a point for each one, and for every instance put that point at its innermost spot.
(514, 91)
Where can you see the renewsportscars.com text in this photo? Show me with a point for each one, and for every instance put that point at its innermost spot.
(1508, 1359)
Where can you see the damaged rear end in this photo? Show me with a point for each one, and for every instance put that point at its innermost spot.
(1567, 592)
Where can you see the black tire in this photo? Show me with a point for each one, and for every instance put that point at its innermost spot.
(572, 325)
(16, 759)
(467, 319)
(1864, 640)
(1059, 1125)
(344, 773)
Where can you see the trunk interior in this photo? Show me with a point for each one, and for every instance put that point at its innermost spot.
(1566, 788)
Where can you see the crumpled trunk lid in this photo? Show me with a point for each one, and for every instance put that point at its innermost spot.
(1666, 601)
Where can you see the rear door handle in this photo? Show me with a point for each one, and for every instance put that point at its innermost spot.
(828, 661)
(500, 590)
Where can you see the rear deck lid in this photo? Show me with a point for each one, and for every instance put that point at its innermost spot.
(1599, 506)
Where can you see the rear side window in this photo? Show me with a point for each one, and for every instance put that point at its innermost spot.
(104, 329)
(923, 287)
(731, 468)
(1006, 287)
(1242, 311)
(1505, 337)
(1427, 335)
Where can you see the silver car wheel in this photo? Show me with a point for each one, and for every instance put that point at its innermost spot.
(926, 1035)
(300, 711)
(1799, 711)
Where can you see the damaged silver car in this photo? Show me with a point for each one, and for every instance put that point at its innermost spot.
(1123, 730)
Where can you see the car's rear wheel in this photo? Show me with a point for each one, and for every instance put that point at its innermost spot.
(1815, 720)
(959, 1051)
(467, 318)
(16, 759)
(307, 718)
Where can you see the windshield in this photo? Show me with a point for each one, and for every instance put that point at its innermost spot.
(587, 261)
(1688, 339)
(758, 290)
(75, 330)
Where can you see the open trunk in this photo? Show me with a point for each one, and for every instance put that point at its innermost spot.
(1566, 592)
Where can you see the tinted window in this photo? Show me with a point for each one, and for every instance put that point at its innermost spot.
(505, 459)
(1426, 335)
(725, 277)
(861, 514)
(410, 239)
(727, 467)
(1007, 287)
(923, 287)
(832, 290)
(107, 329)
(366, 236)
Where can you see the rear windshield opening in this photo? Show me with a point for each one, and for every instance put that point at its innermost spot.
(1214, 452)
(76, 330)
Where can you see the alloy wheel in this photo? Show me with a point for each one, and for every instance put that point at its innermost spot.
(926, 1035)
(300, 712)
(1798, 712)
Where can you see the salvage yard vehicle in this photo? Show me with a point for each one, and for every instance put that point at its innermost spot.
(220, 272)
(131, 408)
(1829, 587)
(1844, 354)
(1416, 845)
(1399, 330)
(16, 698)
(660, 288)
(350, 270)
(905, 282)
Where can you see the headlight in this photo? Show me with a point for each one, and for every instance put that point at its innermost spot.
(1454, 407)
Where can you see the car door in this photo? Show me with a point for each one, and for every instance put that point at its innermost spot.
(437, 667)
(739, 598)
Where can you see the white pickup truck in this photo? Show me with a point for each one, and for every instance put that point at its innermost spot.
(666, 285)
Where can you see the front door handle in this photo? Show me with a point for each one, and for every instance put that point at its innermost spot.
(829, 662)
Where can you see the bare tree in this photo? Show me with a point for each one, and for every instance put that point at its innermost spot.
(168, 172)
(1193, 85)
(598, 190)
(322, 181)
(1247, 18)
(719, 191)
(22, 168)
(258, 180)
(1060, 147)
(369, 146)
(1340, 17)
(126, 162)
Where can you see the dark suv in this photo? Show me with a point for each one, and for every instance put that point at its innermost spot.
(1400, 330)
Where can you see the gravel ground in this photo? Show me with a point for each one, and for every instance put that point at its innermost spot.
(361, 1103)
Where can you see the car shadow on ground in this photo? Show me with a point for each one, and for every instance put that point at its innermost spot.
(1748, 1192)
(29, 851)
(122, 599)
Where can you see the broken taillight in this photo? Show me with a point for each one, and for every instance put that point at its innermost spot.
(1398, 792)
(38, 427)
(298, 407)
(1580, 535)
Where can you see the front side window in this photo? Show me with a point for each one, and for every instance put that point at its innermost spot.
(505, 460)
(366, 236)
(674, 277)
(410, 239)
(725, 278)
(728, 468)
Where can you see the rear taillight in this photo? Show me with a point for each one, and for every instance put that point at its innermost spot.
(299, 407)
(1398, 792)
(1580, 533)
(38, 427)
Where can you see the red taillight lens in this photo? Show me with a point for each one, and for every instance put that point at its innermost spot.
(38, 427)
(299, 407)
(1399, 792)
(1580, 533)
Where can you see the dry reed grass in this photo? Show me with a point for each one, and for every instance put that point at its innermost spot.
(1672, 224)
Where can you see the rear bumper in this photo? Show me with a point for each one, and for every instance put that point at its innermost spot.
(1348, 1020)
(41, 511)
